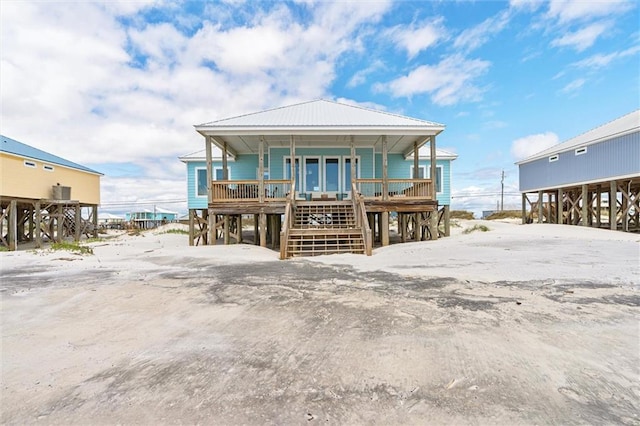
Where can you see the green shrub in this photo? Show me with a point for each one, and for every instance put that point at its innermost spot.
(73, 247)
(174, 231)
(481, 228)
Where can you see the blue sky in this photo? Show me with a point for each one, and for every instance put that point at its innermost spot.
(118, 86)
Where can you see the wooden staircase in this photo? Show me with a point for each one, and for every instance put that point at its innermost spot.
(324, 227)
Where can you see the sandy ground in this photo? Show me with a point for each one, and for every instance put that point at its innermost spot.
(531, 324)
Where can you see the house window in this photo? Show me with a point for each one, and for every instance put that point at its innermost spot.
(581, 151)
(312, 174)
(201, 180)
(438, 183)
(47, 167)
(553, 158)
(29, 164)
(347, 173)
(332, 174)
(287, 171)
(422, 172)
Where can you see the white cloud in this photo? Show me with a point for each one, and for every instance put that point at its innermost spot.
(574, 86)
(583, 38)
(565, 11)
(449, 82)
(529, 145)
(474, 37)
(599, 60)
(361, 76)
(78, 82)
(414, 39)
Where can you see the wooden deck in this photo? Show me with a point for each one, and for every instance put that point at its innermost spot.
(277, 214)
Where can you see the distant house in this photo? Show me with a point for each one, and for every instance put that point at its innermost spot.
(43, 196)
(108, 220)
(146, 218)
(591, 180)
(320, 177)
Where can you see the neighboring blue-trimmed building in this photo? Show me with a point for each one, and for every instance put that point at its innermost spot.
(587, 179)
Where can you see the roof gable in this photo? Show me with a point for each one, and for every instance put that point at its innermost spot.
(320, 113)
(12, 146)
(620, 126)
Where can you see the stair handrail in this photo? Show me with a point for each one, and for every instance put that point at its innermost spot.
(287, 223)
(361, 218)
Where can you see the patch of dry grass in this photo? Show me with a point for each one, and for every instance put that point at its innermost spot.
(505, 214)
(461, 214)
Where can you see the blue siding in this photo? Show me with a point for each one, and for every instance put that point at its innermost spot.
(616, 157)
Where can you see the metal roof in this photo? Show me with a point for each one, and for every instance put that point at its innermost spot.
(320, 113)
(626, 124)
(319, 123)
(12, 146)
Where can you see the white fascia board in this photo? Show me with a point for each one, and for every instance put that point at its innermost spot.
(314, 131)
(586, 182)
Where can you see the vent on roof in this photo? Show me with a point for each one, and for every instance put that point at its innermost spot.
(553, 158)
(580, 151)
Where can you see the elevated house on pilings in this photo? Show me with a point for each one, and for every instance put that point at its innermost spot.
(590, 180)
(45, 197)
(318, 177)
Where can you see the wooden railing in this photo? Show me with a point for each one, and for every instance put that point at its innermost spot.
(361, 219)
(287, 223)
(408, 188)
(249, 190)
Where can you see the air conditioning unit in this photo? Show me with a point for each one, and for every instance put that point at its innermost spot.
(61, 192)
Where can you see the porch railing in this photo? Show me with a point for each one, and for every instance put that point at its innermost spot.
(249, 190)
(407, 188)
(361, 219)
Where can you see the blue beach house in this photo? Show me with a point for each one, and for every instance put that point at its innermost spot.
(319, 177)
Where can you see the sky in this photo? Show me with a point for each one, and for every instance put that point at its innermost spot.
(118, 86)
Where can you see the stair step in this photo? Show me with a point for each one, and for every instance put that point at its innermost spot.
(324, 227)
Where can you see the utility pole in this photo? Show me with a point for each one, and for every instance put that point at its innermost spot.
(502, 193)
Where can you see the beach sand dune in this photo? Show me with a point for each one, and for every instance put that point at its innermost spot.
(518, 325)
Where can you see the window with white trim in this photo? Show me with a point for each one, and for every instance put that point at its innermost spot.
(201, 179)
(554, 158)
(580, 151)
(422, 173)
(30, 164)
(48, 167)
